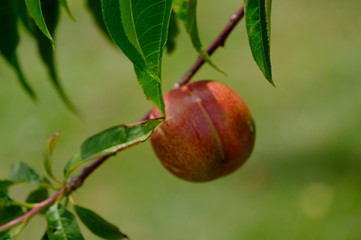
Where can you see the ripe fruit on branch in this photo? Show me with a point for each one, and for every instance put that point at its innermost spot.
(209, 131)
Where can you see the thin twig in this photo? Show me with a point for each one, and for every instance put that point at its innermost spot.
(34, 210)
(77, 181)
(218, 42)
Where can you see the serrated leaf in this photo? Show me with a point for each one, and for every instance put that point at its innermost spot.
(9, 41)
(258, 31)
(62, 224)
(22, 172)
(50, 9)
(140, 29)
(112, 140)
(5, 184)
(95, 8)
(172, 33)
(268, 17)
(52, 141)
(34, 8)
(97, 225)
(186, 11)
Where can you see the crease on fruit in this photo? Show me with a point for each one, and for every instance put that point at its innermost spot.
(209, 119)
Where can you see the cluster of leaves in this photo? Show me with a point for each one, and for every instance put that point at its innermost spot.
(62, 223)
(141, 29)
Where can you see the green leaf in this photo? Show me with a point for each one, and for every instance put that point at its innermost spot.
(64, 3)
(52, 141)
(186, 11)
(5, 200)
(34, 8)
(45, 236)
(62, 224)
(38, 195)
(172, 33)
(9, 236)
(95, 8)
(97, 225)
(50, 9)
(9, 41)
(258, 29)
(8, 211)
(24, 16)
(22, 172)
(4, 185)
(140, 30)
(112, 140)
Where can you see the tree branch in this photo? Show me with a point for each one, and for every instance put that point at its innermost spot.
(218, 42)
(77, 181)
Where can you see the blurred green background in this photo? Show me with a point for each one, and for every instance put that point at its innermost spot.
(303, 179)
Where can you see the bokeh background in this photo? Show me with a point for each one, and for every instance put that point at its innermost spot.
(303, 179)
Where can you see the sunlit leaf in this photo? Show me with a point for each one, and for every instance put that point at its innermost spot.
(62, 224)
(97, 225)
(172, 33)
(34, 8)
(140, 29)
(22, 172)
(186, 11)
(113, 140)
(9, 41)
(258, 29)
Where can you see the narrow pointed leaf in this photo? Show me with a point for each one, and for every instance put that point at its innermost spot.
(97, 225)
(268, 17)
(140, 30)
(112, 140)
(34, 8)
(50, 10)
(52, 141)
(95, 8)
(9, 41)
(186, 11)
(172, 33)
(22, 12)
(64, 3)
(22, 172)
(259, 34)
(62, 224)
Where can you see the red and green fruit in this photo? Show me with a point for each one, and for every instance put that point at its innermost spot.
(209, 132)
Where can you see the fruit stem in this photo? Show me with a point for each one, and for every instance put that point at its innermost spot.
(218, 42)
